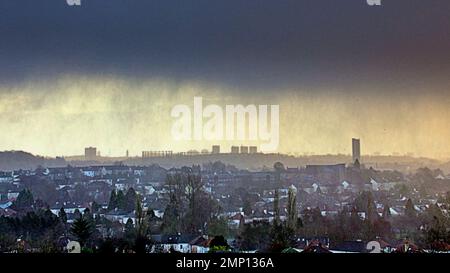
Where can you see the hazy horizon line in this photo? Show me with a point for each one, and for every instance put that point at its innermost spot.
(295, 155)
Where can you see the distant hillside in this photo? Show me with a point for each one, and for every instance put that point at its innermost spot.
(445, 167)
(14, 160)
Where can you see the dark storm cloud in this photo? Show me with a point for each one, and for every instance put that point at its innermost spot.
(253, 43)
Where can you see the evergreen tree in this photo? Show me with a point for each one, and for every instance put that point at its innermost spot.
(280, 234)
(112, 200)
(371, 212)
(247, 206)
(218, 244)
(62, 216)
(95, 207)
(386, 212)
(24, 200)
(356, 224)
(120, 199)
(82, 230)
(292, 208)
(130, 232)
(276, 207)
(130, 200)
(280, 238)
(409, 209)
(77, 214)
(88, 216)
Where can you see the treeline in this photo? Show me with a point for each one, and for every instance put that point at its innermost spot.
(123, 202)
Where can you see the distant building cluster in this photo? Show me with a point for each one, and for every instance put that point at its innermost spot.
(148, 154)
(244, 150)
(215, 149)
(90, 153)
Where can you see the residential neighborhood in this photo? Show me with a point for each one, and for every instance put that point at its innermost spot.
(218, 207)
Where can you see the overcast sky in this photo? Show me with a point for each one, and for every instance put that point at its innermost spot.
(365, 64)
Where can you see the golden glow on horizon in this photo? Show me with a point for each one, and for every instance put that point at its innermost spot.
(64, 116)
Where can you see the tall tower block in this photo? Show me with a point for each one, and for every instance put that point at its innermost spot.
(356, 150)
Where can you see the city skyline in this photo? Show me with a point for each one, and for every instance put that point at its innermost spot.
(80, 77)
(67, 121)
(213, 150)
